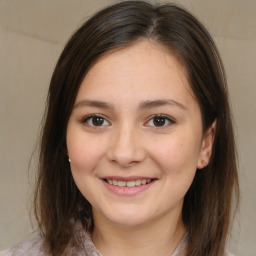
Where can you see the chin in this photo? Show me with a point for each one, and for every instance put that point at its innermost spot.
(127, 217)
(128, 221)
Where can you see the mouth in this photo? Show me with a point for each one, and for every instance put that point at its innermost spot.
(128, 186)
(130, 183)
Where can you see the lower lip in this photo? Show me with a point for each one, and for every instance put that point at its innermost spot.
(127, 191)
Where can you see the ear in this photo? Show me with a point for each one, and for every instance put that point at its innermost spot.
(68, 156)
(206, 146)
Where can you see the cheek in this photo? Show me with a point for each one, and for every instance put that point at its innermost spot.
(177, 160)
(176, 154)
(84, 152)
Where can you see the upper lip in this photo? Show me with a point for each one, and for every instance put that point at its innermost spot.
(121, 178)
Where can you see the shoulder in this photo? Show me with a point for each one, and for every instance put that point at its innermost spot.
(26, 248)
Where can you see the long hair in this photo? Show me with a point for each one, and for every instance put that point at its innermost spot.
(207, 205)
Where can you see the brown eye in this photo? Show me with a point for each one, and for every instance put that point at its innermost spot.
(95, 121)
(159, 121)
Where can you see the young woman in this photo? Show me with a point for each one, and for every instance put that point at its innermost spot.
(137, 152)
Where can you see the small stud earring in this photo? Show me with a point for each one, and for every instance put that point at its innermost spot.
(69, 160)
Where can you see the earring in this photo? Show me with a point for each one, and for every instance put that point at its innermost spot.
(69, 160)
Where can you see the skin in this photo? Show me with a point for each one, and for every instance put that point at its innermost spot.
(127, 143)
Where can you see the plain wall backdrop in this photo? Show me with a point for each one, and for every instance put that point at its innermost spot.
(33, 33)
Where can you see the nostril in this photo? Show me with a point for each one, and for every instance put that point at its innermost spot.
(124, 162)
(125, 149)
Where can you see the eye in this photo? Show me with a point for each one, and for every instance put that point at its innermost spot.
(95, 121)
(160, 121)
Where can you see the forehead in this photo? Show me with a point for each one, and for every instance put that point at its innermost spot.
(144, 68)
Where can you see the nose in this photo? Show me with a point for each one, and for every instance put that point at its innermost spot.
(126, 147)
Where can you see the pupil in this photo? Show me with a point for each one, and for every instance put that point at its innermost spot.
(97, 121)
(159, 121)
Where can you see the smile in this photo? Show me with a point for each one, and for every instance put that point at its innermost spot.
(131, 183)
(128, 186)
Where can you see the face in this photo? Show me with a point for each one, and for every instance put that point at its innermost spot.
(135, 136)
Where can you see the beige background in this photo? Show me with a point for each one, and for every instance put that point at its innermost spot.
(33, 33)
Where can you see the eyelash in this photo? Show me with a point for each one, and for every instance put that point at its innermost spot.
(86, 120)
(89, 118)
(164, 117)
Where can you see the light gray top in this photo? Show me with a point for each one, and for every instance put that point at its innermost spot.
(84, 247)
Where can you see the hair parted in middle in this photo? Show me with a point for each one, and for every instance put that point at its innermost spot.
(207, 205)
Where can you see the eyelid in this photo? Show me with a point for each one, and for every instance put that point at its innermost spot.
(168, 118)
(88, 117)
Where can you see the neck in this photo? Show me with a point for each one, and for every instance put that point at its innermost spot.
(154, 238)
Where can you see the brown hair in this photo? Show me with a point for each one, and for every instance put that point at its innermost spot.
(207, 205)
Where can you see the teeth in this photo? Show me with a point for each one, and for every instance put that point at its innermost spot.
(110, 182)
(121, 183)
(138, 182)
(130, 184)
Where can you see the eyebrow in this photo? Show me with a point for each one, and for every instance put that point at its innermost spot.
(160, 103)
(93, 103)
(143, 105)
